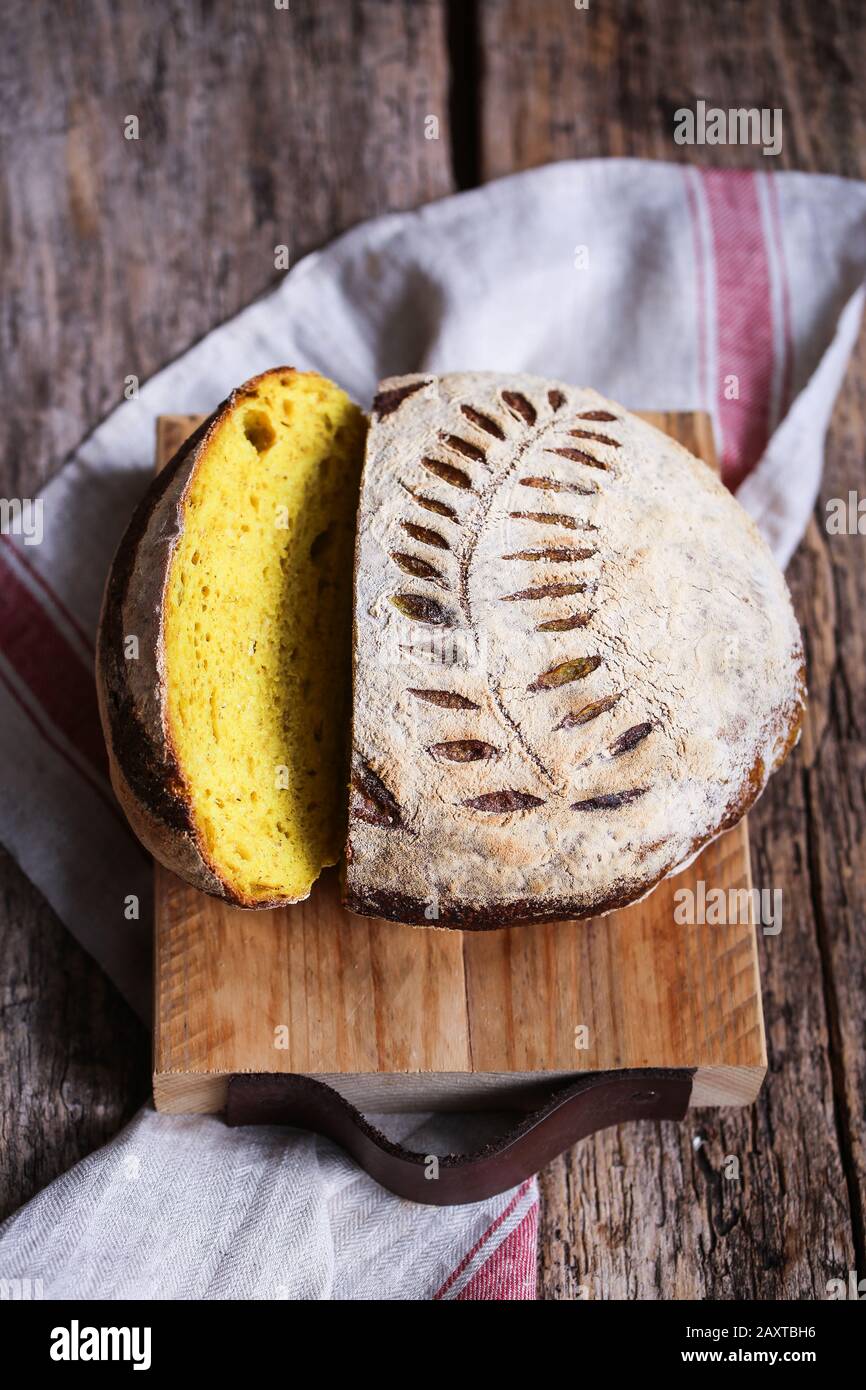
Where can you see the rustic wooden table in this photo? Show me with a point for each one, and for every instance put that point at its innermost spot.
(263, 126)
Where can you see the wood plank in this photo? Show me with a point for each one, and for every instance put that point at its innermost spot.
(636, 1218)
(359, 999)
(649, 992)
(563, 83)
(621, 1219)
(257, 126)
(251, 135)
(354, 995)
(73, 1057)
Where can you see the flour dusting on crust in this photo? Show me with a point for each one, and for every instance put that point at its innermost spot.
(576, 661)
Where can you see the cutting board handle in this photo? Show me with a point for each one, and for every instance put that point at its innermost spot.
(571, 1112)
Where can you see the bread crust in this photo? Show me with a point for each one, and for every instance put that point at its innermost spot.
(530, 499)
(145, 771)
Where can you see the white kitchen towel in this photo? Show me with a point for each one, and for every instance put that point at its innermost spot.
(180, 1207)
(666, 287)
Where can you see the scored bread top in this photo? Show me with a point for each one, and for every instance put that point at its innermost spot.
(575, 660)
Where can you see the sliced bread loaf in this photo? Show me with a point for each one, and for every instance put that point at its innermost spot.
(224, 644)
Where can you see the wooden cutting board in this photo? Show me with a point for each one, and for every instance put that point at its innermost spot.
(398, 1017)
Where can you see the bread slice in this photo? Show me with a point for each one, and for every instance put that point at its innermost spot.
(576, 661)
(224, 644)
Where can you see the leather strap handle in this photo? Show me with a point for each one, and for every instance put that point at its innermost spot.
(570, 1113)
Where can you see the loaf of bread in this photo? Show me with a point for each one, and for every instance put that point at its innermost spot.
(575, 660)
(223, 662)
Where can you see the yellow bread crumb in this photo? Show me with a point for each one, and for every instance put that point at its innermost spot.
(257, 633)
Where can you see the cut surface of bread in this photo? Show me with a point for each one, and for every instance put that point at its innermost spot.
(576, 661)
(228, 733)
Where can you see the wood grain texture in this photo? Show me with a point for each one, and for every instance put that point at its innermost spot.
(258, 127)
(563, 83)
(619, 1218)
(353, 996)
(73, 1056)
(114, 263)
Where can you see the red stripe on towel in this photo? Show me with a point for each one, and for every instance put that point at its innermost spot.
(482, 1241)
(744, 318)
(55, 598)
(511, 1272)
(50, 667)
(93, 782)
